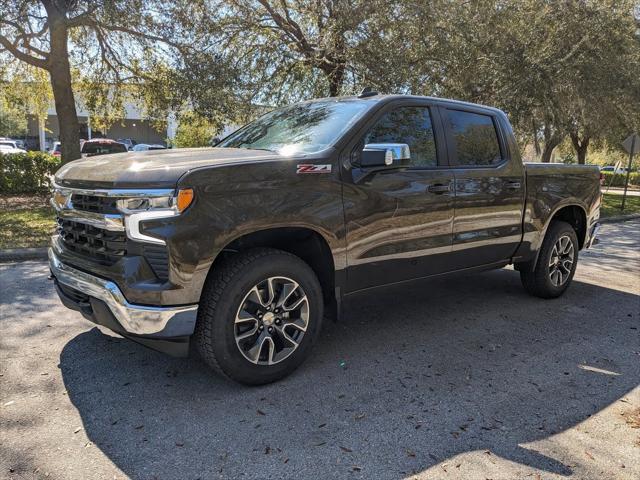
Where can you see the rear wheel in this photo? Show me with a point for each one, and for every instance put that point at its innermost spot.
(259, 316)
(556, 263)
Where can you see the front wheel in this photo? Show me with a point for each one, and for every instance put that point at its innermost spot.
(556, 263)
(259, 316)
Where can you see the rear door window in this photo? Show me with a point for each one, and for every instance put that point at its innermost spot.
(475, 139)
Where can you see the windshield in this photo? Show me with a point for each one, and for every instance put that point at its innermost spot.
(102, 148)
(301, 128)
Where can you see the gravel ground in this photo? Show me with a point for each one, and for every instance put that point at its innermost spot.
(464, 377)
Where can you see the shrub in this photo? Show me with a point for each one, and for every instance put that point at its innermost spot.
(618, 179)
(28, 172)
(194, 131)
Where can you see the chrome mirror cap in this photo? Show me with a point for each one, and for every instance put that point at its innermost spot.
(393, 151)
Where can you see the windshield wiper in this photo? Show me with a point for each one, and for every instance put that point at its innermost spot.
(263, 149)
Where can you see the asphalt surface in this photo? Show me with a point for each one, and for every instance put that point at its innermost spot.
(464, 377)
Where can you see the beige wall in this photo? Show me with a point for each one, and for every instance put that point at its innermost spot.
(140, 130)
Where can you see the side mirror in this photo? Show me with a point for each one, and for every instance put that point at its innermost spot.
(384, 154)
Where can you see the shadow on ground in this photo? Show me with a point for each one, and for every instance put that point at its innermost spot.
(432, 370)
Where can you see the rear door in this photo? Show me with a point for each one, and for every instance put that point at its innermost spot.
(399, 220)
(489, 186)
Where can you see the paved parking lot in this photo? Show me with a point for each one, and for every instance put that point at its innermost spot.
(465, 377)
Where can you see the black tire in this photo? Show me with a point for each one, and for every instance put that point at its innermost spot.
(223, 294)
(537, 281)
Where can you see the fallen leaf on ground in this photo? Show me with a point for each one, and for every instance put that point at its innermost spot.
(77, 430)
(345, 449)
(260, 412)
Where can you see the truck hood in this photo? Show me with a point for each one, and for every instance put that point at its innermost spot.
(153, 168)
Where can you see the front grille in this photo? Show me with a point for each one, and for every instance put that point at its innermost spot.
(158, 259)
(93, 203)
(103, 246)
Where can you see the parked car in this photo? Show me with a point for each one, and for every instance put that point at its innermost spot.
(10, 146)
(141, 147)
(101, 146)
(129, 142)
(613, 169)
(240, 250)
(56, 150)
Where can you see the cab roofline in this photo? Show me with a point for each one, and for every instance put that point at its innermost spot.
(384, 98)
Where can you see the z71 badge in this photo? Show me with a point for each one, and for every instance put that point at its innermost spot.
(311, 168)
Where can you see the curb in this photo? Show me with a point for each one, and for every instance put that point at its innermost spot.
(23, 254)
(619, 218)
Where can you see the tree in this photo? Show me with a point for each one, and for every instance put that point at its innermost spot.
(291, 49)
(13, 121)
(195, 131)
(557, 68)
(110, 40)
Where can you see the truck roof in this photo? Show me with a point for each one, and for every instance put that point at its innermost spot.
(383, 98)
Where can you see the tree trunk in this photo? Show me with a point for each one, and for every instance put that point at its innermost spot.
(580, 146)
(547, 151)
(335, 76)
(551, 141)
(60, 74)
(536, 142)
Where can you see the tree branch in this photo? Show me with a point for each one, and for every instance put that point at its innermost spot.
(20, 55)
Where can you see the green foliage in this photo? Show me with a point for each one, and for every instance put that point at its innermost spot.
(194, 131)
(618, 179)
(26, 172)
(13, 121)
(612, 203)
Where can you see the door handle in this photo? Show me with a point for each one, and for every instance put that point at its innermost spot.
(514, 185)
(438, 188)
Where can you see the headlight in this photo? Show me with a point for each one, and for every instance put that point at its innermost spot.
(177, 204)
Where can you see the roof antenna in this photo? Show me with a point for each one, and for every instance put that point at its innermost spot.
(367, 92)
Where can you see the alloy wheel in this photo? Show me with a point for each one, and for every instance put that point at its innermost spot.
(561, 261)
(271, 320)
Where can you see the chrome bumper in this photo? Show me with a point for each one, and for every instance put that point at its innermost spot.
(593, 235)
(164, 322)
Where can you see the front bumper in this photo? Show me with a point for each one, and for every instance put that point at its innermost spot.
(106, 305)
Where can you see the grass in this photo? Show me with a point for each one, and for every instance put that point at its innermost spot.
(28, 222)
(611, 204)
(28, 227)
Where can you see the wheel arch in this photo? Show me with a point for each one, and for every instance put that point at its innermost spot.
(572, 213)
(576, 216)
(302, 241)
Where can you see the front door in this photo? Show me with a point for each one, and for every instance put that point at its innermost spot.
(399, 220)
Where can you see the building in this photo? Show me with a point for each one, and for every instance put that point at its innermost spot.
(133, 125)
